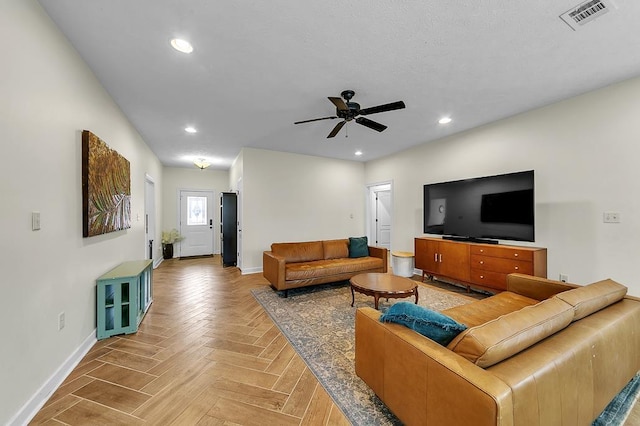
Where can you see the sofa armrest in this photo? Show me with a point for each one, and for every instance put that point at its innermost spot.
(536, 287)
(382, 253)
(273, 269)
(423, 382)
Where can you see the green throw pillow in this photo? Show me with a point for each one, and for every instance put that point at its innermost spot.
(358, 247)
(434, 325)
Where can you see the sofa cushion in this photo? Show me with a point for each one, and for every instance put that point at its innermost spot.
(299, 252)
(482, 311)
(330, 267)
(358, 247)
(593, 297)
(434, 325)
(489, 343)
(336, 249)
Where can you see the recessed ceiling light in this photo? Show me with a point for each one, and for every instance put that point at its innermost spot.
(190, 129)
(445, 120)
(358, 153)
(181, 45)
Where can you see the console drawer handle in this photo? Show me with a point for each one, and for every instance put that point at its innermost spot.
(482, 262)
(482, 277)
(517, 268)
(515, 254)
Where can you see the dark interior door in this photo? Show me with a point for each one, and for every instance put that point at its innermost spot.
(229, 228)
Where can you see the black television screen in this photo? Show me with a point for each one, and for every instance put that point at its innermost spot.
(487, 208)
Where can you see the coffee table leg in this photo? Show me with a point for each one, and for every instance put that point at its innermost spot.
(415, 291)
(375, 298)
(353, 297)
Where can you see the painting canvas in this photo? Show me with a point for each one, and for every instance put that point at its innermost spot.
(106, 188)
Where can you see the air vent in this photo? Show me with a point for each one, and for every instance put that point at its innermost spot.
(586, 12)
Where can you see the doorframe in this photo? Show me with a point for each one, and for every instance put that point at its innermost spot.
(150, 211)
(216, 212)
(239, 191)
(372, 188)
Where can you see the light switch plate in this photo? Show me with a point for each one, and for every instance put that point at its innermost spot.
(35, 221)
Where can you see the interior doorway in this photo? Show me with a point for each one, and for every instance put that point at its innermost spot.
(379, 213)
(150, 219)
(196, 222)
(239, 212)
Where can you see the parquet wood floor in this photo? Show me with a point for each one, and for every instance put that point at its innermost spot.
(206, 353)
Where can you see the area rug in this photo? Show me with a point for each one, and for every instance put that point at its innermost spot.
(624, 404)
(319, 323)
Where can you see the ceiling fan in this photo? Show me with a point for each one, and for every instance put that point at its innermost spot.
(350, 110)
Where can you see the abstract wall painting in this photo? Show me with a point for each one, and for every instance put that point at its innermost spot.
(106, 188)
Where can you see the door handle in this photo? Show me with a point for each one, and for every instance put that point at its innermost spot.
(210, 223)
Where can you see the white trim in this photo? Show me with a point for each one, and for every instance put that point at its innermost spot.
(157, 262)
(37, 401)
(248, 271)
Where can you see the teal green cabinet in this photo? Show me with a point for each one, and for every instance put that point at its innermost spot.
(123, 296)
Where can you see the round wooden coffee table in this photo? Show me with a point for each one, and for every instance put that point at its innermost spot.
(383, 285)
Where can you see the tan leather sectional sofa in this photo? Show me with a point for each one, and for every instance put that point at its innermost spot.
(541, 353)
(293, 265)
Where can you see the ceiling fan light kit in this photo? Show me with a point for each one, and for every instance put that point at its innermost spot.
(351, 111)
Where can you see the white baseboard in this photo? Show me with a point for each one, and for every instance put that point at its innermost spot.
(31, 408)
(247, 271)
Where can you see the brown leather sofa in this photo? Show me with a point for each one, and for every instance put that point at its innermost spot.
(293, 265)
(541, 353)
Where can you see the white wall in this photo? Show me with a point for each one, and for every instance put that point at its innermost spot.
(175, 179)
(48, 97)
(584, 152)
(292, 197)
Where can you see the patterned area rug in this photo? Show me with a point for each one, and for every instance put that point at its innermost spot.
(622, 411)
(319, 323)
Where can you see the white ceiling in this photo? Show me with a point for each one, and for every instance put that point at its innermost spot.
(259, 66)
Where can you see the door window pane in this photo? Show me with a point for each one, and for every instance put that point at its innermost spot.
(196, 211)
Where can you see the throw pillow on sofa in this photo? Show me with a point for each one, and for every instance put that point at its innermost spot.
(358, 247)
(434, 325)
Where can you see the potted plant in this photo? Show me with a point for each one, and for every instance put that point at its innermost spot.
(168, 238)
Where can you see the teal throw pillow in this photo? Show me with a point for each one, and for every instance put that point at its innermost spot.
(358, 247)
(434, 325)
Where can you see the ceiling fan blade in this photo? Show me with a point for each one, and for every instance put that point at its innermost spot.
(339, 103)
(382, 108)
(314, 119)
(370, 124)
(336, 129)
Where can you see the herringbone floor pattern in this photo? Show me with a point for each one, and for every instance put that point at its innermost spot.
(206, 353)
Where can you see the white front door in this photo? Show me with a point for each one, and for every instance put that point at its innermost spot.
(196, 223)
(383, 219)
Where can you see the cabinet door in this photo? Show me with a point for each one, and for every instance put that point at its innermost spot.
(454, 260)
(426, 252)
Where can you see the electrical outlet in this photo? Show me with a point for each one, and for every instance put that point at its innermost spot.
(611, 217)
(61, 321)
(564, 278)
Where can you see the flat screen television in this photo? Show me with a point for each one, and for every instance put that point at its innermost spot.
(484, 209)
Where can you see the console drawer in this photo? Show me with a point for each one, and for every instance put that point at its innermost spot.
(503, 252)
(494, 280)
(498, 264)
